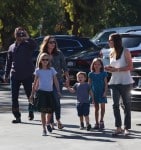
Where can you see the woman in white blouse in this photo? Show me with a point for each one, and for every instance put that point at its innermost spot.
(120, 82)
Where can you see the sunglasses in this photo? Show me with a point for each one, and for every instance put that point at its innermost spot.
(52, 42)
(44, 59)
(110, 40)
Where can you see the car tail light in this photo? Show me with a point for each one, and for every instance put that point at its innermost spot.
(136, 53)
(82, 63)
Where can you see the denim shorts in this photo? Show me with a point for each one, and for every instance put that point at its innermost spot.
(83, 109)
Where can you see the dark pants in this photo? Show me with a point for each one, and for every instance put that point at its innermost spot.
(15, 87)
(57, 110)
(122, 91)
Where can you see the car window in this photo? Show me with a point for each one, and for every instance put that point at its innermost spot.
(105, 36)
(131, 41)
(65, 43)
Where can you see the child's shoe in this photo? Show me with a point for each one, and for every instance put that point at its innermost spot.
(88, 127)
(49, 128)
(44, 133)
(126, 132)
(81, 126)
(101, 125)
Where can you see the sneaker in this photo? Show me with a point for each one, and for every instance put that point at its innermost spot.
(17, 120)
(126, 132)
(31, 115)
(88, 127)
(49, 128)
(81, 126)
(96, 126)
(44, 133)
(101, 126)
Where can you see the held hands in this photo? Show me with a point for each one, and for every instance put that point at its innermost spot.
(30, 100)
(59, 94)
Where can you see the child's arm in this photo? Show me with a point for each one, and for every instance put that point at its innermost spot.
(70, 89)
(34, 88)
(92, 96)
(89, 81)
(106, 87)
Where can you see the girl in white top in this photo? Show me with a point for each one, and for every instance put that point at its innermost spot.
(45, 76)
(120, 82)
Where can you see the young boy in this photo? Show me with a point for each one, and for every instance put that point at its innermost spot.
(83, 91)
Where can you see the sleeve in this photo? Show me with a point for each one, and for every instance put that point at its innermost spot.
(36, 72)
(63, 62)
(90, 75)
(32, 44)
(8, 64)
(37, 60)
(105, 74)
(54, 72)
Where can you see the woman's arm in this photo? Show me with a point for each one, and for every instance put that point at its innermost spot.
(128, 67)
(70, 89)
(55, 80)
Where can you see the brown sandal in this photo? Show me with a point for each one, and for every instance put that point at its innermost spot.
(117, 132)
(60, 126)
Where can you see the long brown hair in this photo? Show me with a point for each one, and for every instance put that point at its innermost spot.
(116, 38)
(44, 45)
(93, 62)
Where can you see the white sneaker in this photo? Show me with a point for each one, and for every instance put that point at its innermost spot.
(126, 132)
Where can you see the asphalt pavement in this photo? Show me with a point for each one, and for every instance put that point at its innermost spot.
(28, 134)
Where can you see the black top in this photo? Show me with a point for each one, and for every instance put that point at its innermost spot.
(19, 60)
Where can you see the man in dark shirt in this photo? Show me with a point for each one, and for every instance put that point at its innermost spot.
(19, 66)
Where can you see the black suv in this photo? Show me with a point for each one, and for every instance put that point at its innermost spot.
(70, 44)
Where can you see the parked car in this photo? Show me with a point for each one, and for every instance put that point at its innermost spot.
(3, 56)
(136, 99)
(101, 38)
(80, 62)
(70, 44)
(136, 92)
(130, 40)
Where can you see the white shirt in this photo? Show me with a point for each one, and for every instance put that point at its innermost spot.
(122, 77)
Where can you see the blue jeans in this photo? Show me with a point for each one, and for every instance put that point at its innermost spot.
(15, 87)
(122, 91)
(57, 101)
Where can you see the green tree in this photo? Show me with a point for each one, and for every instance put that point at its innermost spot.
(89, 16)
(38, 16)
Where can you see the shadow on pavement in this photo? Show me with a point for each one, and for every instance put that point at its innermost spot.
(93, 135)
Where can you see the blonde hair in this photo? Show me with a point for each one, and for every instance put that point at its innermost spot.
(39, 64)
(82, 73)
